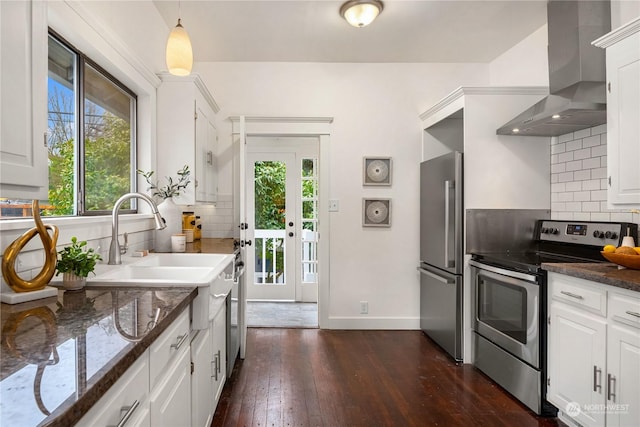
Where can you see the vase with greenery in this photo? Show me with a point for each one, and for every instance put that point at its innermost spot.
(76, 262)
(171, 212)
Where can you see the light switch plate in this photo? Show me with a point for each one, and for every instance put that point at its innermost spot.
(334, 206)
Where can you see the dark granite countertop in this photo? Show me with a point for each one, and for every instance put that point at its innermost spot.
(60, 355)
(605, 273)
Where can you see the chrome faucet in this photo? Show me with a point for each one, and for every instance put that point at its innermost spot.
(115, 251)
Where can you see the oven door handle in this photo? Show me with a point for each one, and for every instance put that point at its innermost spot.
(504, 272)
(435, 276)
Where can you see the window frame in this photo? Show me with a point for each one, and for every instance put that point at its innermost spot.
(79, 149)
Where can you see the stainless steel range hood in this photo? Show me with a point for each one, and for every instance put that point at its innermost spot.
(576, 72)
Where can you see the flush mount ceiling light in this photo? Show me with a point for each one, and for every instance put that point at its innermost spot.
(361, 13)
(179, 55)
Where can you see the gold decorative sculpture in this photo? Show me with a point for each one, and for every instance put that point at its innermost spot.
(11, 254)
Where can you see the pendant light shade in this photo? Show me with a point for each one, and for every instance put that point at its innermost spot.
(361, 13)
(179, 55)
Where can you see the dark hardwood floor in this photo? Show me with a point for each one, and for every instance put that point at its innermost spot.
(312, 377)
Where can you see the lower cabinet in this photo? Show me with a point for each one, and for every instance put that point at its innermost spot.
(126, 402)
(201, 379)
(208, 355)
(219, 340)
(170, 400)
(175, 382)
(594, 352)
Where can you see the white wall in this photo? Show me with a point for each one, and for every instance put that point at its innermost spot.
(375, 109)
(623, 11)
(525, 64)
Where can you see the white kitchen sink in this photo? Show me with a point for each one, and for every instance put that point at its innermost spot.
(204, 271)
(156, 276)
(182, 260)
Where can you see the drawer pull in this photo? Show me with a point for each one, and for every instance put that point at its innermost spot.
(219, 362)
(633, 313)
(128, 412)
(181, 339)
(572, 295)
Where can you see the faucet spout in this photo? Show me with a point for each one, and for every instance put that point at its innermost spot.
(115, 251)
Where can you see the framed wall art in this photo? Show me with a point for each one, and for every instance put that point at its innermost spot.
(376, 212)
(376, 171)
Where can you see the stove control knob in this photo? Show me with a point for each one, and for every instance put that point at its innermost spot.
(611, 235)
(553, 230)
(544, 230)
(598, 234)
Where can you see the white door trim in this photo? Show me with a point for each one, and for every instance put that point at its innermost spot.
(319, 127)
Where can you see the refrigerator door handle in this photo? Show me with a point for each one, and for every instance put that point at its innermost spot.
(435, 276)
(448, 186)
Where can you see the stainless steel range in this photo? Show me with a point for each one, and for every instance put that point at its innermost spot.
(509, 294)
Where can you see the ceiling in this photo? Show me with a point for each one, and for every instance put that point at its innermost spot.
(313, 30)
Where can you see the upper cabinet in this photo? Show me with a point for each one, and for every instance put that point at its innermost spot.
(24, 172)
(623, 111)
(187, 135)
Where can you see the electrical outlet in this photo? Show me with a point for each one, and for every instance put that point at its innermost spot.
(364, 307)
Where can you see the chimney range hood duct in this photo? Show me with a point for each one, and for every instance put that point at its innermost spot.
(577, 97)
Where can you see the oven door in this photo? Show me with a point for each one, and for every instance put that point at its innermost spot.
(506, 310)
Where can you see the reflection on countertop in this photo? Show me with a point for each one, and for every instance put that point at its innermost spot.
(605, 273)
(60, 355)
(211, 246)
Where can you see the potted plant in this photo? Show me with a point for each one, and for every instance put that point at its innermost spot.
(75, 263)
(171, 212)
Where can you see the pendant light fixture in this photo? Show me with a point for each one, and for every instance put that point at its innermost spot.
(361, 13)
(179, 55)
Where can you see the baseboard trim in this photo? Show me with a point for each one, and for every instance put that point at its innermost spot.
(385, 323)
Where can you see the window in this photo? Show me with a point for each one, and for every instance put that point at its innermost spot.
(91, 137)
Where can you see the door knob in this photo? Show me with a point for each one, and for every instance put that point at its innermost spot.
(290, 234)
(290, 223)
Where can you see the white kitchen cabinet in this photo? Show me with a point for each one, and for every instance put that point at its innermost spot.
(170, 400)
(187, 135)
(24, 170)
(219, 340)
(623, 361)
(202, 379)
(593, 352)
(170, 375)
(623, 110)
(576, 361)
(127, 398)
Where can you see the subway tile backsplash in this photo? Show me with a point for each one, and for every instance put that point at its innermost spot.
(579, 178)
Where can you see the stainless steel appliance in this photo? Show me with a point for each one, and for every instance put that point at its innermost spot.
(509, 295)
(441, 251)
(233, 314)
(577, 74)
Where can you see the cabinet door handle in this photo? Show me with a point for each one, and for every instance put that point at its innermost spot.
(597, 377)
(572, 295)
(209, 157)
(611, 385)
(181, 341)
(219, 362)
(633, 313)
(216, 360)
(128, 412)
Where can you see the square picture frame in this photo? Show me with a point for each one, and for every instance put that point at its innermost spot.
(376, 171)
(376, 212)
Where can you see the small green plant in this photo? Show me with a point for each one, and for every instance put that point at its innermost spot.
(77, 259)
(173, 188)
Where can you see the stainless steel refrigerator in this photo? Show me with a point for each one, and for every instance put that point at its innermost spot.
(441, 251)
